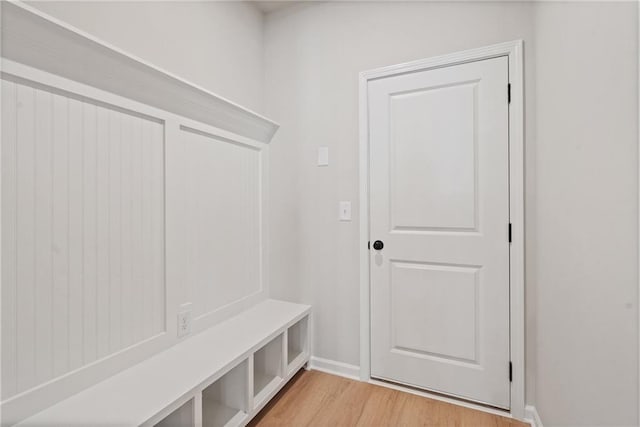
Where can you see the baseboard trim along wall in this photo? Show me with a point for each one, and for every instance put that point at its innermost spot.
(353, 372)
(531, 416)
(336, 368)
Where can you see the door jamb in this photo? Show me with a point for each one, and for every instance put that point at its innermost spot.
(514, 52)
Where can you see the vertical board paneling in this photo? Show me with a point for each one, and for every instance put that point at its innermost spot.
(136, 231)
(9, 280)
(222, 221)
(25, 298)
(44, 235)
(102, 191)
(192, 156)
(76, 273)
(60, 185)
(126, 296)
(89, 213)
(146, 227)
(83, 233)
(115, 230)
(157, 239)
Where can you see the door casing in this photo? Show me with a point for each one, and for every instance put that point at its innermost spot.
(513, 50)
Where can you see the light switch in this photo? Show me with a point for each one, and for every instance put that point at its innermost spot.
(345, 211)
(323, 156)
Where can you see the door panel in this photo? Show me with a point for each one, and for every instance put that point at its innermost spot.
(422, 294)
(432, 137)
(439, 200)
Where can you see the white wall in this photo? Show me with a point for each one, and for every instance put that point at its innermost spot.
(581, 178)
(313, 56)
(586, 213)
(217, 45)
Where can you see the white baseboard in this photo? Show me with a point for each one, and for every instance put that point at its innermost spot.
(335, 368)
(353, 372)
(531, 416)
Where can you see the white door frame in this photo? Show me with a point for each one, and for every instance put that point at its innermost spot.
(512, 50)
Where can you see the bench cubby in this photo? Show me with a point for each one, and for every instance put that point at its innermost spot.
(297, 343)
(225, 402)
(268, 368)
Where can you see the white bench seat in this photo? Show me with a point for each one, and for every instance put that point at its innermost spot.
(147, 392)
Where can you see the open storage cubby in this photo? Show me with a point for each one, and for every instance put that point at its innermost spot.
(297, 342)
(267, 369)
(225, 402)
(181, 417)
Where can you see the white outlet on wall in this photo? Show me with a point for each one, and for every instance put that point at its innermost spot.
(184, 323)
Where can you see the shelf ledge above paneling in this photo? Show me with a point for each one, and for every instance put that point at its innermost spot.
(40, 41)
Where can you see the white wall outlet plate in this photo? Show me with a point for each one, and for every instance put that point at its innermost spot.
(184, 323)
(323, 156)
(345, 211)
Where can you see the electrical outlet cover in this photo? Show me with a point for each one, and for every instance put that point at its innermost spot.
(184, 323)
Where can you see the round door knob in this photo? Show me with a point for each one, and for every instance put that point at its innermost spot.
(377, 245)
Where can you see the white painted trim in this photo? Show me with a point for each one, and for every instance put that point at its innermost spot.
(41, 41)
(531, 416)
(638, 305)
(335, 368)
(514, 51)
(1, 232)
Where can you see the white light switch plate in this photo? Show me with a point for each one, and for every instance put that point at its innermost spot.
(323, 156)
(345, 211)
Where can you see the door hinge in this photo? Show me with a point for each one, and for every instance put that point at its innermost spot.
(510, 372)
(509, 93)
(369, 245)
(509, 232)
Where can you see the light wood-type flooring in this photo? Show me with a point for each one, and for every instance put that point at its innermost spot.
(314, 398)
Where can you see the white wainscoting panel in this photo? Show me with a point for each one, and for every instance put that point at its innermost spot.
(222, 206)
(83, 233)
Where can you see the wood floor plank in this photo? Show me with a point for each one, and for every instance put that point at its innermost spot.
(314, 398)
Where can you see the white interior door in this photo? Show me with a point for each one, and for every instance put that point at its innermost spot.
(439, 203)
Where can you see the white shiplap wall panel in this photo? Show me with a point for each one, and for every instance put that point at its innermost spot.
(103, 264)
(126, 182)
(60, 211)
(44, 235)
(115, 238)
(83, 233)
(223, 208)
(157, 267)
(25, 250)
(75, 184)
(89, 232)
(9, 222)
